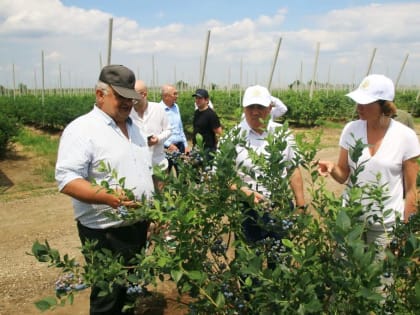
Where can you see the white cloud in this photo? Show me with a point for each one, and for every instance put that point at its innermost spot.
(75, 38)
(54, 55)
(49, 17)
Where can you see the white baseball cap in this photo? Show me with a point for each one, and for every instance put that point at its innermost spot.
(256, 94)
(374, 87)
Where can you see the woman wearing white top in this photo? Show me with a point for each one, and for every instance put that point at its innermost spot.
(392, 150)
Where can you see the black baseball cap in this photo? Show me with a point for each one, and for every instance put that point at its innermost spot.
(121, 79)
(201, 93)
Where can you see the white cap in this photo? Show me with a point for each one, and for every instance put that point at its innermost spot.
(256, 94)
(373, 88)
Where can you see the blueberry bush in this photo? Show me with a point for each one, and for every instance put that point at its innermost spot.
(321, 265)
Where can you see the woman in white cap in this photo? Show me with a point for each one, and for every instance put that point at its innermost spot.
(391, 151)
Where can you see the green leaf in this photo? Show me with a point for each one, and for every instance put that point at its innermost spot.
(132, 278)
(46, 303)
(343, 220)
(176, 275)
(287, 243)
(220, 300)
(40, 252)
(417, 289)
(70, 297)
(196, 275)
(248, 281)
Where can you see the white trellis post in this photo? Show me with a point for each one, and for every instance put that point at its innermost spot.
(43, 85)
(371, 61)
(100, 62)
(276, 54)
(397, 81)
(14, 81)
(240, 81)
(109, 41)
(311, 91)
(203, 67)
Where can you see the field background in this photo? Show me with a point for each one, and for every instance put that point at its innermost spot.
(32, 209)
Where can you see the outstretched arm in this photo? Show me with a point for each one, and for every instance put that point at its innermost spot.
(340, 171)
(84, 191)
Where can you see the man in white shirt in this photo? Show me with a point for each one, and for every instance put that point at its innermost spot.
(107, 135)
(153, 122)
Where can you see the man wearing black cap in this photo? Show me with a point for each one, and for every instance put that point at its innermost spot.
(205, 122)
(107, 134)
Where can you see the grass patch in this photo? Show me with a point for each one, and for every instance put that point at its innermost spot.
(43, 145)
(331, 124)
(47, 171)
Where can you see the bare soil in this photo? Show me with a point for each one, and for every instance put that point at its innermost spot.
(31, 209)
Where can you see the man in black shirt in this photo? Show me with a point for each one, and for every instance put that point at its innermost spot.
(206, 122)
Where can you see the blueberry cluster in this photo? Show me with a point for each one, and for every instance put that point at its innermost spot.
(286, 224)
(274, 250)
(122, 211)
(173, 155)
(69, 282)
(195, 158)
(218, 248)
(232, 297)
(135, 289)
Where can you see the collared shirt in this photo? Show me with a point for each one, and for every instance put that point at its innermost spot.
(257, 142)
(154, 122)
(95, 137)
(175, 122)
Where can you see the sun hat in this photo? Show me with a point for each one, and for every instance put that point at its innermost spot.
(374, 87)
(256, 94)
(201, 93)
(121, 79)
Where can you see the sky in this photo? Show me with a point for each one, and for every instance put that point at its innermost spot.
(165, 41)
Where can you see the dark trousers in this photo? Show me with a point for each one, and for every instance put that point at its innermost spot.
(173, 162)
(127, 241)
(256, 227)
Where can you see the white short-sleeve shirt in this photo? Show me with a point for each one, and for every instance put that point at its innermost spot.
(399, 144)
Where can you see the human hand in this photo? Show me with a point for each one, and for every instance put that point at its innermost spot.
(257, 196)
(172, 148)
(325, 168)
(118, 199)
(152, 140)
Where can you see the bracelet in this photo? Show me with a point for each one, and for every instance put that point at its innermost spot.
(303, 207)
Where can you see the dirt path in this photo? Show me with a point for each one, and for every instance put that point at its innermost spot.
(31, 209)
